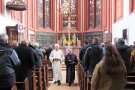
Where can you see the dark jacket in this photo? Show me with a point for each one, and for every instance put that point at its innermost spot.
(48, 51)
(26, 56)
(82, 52)
(92, 56)
(35, 54)
(70, 61)
(40, 55)
(8, 59)
(125, 52)
(8, 62)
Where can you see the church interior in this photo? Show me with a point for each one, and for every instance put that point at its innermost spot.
(68, 23)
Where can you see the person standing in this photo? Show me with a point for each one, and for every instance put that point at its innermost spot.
(92, 56)
(40, 55)
(70, 61)
(56, 57)
(110, 72)
(82, 52)
(125, 52)
(8, 62)
(27, 67)
(48, 51)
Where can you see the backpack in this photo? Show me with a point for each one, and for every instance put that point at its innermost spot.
(92, 56)
(6, 57)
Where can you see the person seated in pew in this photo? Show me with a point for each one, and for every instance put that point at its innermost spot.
(8, 62)
(110, 73)
(70, 61)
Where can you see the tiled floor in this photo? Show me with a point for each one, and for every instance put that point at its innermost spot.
(64, 86)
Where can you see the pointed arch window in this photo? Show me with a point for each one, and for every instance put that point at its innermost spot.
(44, 13)
(69, 14)
(94, 13)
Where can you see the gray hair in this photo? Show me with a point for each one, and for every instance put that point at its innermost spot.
(24, 42)
(36, 44)
(3, 37)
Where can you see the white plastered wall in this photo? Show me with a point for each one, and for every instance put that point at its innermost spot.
(126, 22)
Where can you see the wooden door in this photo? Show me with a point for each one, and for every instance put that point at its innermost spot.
(12, 33)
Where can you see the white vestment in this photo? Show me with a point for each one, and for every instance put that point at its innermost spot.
(56, 64)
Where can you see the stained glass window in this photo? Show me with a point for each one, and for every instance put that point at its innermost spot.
(94, 13)
(98, 12)
(47, 13)
(40, 13)
(91, 13)
(44, 13)
(69, 11)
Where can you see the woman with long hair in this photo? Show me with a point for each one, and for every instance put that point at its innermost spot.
(110, 72)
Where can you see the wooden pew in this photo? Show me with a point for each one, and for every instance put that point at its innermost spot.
(49, 69)
(131, 78)
(131, 74)
(23, 85)
(34, 81)
(79, 74)
(130, 85)
(44, 79)
(130, 81)
(39, 78)
(81, 78)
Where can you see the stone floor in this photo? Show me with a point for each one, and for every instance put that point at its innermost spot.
(64, 85)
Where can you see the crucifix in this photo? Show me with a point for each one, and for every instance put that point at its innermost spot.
(66, 10)
(69, 27)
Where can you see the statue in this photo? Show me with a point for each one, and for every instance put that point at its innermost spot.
(74, 39)
(64, 40)
(79, 43)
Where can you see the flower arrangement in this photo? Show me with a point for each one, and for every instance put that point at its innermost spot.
(69, 42)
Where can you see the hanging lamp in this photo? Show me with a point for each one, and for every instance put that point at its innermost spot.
(17, 5)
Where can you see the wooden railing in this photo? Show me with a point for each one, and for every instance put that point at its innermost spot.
(23, 85)
(49, 69)
(40, 78)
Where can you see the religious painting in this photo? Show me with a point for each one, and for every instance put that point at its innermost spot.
(45, 39)
(69, 13)
(75, 39)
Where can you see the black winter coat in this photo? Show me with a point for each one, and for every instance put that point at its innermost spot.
(26, 56)
(125, 52)
(92, 56)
